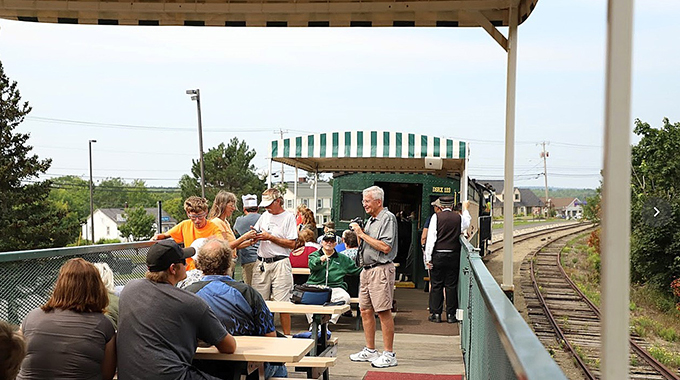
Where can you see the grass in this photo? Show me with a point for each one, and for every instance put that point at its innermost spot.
(523, 222)
(666, 357)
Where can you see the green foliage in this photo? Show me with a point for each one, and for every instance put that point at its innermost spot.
(108, 241)
(175, 208)
(670, 359)
(655, 250)
(74, 193)
(592, 208)
(27, 219)
(225, 168)
(138, 224)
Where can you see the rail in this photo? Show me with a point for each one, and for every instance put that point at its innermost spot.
(496, 342)
(28, 276)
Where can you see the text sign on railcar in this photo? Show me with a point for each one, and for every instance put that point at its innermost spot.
(441, 189)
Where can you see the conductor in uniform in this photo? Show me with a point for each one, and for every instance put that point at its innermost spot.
(442, 257)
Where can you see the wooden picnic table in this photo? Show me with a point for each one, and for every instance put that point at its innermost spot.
(321, 316)
(254, 351)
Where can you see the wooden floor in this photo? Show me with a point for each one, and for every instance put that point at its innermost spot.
(421, 346)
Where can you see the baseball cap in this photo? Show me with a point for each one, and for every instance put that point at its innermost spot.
(165, 253)
(249, 200)
(330, 235)
(269, 196)
(437, 203)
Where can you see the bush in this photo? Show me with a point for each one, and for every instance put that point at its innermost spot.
(594, 240)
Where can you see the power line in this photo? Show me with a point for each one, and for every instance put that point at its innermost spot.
(140, 127)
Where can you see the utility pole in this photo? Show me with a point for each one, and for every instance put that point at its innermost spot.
(545, 155)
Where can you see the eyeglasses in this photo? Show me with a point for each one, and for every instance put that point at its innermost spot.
(364, 201)
(197, 216)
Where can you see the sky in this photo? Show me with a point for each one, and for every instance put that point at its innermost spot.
(124, 86)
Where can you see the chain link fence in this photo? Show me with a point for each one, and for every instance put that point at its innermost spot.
(495, 340)
(28, 277)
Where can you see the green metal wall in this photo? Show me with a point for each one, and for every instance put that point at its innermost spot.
(432, 186)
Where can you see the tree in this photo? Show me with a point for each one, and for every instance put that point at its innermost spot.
(226, 168)
(655, 242)
(138, 224)
(592, 208)
(27, 219)
(175, 208)
(74, 193)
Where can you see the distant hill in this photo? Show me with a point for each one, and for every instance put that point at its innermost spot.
(581, 194)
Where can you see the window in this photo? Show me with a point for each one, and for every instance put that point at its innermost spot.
(319, 203)
(108, 230)
(289, 203)
(516, 196)
(350, 205)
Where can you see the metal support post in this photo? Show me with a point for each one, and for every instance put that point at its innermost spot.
(615, 239)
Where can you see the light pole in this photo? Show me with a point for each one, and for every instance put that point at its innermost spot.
(196, 95)
(91, 200)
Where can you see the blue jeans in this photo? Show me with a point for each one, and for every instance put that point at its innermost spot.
(275, 370)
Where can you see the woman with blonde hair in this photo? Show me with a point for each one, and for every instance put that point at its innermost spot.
(222, 209)
(69, 336)
(106, 274)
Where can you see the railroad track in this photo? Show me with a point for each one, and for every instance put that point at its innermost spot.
(557, 308)
(498, 245)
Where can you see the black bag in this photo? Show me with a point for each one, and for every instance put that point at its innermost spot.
(311, 294)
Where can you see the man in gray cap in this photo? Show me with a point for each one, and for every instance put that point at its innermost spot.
(247, 256)
(159, 324)
(442, 257)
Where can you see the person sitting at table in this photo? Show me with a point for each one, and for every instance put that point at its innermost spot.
(307, 220)
(159, 324)
(351, 245)
(239, 307)
(106, 274)
(69, 336)
(329, 268)
(305, 245)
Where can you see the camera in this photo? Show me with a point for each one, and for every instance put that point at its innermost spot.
(358, 221)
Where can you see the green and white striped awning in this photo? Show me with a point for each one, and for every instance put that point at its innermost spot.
(369, 151)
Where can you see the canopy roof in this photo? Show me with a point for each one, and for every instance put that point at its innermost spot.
(258, 13)
(371, 151)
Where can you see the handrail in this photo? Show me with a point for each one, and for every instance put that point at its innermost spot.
(70, 251)
(527, 356)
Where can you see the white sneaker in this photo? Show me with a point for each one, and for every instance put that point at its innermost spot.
(387, 359)
(365, 355)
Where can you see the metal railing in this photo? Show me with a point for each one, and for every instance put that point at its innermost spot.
(27, 277)
(495, 340)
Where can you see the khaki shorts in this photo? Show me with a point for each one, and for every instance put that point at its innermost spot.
(276, 282)
(376, 289)
(248, 272)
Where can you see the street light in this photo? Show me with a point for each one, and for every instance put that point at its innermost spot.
(91, 200)
(196, 95)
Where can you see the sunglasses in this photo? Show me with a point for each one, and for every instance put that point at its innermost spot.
(184, 261)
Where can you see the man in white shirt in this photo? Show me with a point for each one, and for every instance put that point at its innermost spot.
(442, 257)
(277, 233)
